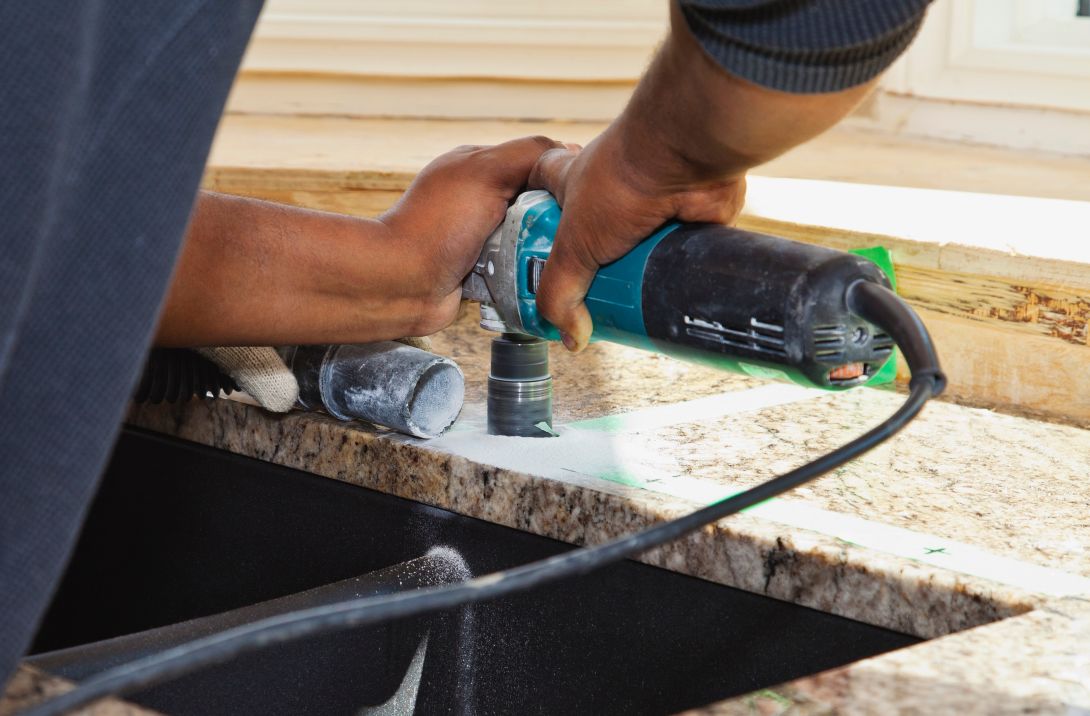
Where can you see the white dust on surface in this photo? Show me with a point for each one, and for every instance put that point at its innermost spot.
(437, 399)
(572, 453)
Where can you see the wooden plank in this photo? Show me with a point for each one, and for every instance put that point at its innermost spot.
(359, 149)
(1003, 282)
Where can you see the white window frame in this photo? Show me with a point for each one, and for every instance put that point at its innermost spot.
(1009, 53)
(554, 40)
(1006, 72)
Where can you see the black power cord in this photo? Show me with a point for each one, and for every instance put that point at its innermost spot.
(868, 300)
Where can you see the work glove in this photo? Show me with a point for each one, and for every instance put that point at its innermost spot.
(263, 375)
(259, 372)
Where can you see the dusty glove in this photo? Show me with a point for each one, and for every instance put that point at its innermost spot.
(262, 374)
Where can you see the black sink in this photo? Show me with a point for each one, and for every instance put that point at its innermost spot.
(181, 531)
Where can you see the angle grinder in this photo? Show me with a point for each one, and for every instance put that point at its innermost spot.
(706, 293)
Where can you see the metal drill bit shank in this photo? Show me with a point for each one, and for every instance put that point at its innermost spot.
(520, 389)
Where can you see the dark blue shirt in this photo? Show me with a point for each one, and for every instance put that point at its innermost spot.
(107, 111)
(805, 46)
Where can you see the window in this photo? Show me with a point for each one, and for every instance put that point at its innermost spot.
(1007, 72)
(1026, 53)
(547, 59)
(603, 40)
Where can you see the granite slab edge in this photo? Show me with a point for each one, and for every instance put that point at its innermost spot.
(744, 551)
(1036, 663)
(29, 686)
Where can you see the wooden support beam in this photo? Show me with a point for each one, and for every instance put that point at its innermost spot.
(1003, 282)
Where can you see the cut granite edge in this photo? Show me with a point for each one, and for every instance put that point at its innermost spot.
(747, 552)
(1032, 663)
(30, 686)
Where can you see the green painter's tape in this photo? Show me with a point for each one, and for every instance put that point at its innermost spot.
(622, 477)
(546, 428)
(881, 257)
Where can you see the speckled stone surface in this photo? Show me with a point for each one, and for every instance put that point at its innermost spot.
(1037, 663)
(29, 686)
(975, 483)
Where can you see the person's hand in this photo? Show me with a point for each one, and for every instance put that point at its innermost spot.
(254, 273)
(259, 372)
(447, 213)
(616, 192)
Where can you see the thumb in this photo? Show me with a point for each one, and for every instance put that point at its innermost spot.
(565, 281)
(570, 269)
(551, 171)
(510, 163)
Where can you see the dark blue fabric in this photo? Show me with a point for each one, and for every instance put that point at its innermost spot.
(805, 46)
(107, 112)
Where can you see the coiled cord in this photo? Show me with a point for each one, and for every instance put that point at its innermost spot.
(179, 374)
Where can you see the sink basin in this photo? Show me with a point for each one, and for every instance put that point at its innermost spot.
(181, 532)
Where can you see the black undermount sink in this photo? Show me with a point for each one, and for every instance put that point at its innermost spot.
(180, 532)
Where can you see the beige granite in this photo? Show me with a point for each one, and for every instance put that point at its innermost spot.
(29, 686)
(960, 473)
(1000, 500)
(1037, 663)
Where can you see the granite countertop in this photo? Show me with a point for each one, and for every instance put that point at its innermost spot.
(971, 528)
(29, 686)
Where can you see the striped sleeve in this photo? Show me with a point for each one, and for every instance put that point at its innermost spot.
(804, 46)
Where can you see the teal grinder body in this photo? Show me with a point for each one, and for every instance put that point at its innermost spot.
(732, 299)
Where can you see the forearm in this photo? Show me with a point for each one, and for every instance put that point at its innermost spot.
(255, 273)
(689, 116)
(681, 148)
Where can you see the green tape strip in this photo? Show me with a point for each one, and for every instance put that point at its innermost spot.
(622, 477)
(881, 257)
(663, 486)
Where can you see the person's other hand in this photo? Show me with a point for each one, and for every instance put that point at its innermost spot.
(447, 213)
(616, 192)
(259, 372)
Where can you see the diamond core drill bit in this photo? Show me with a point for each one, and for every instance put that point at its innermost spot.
(520, 389)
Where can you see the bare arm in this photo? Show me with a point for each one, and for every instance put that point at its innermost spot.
(698, 121)
(680, 149)
(256, 273)
(252, 272)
